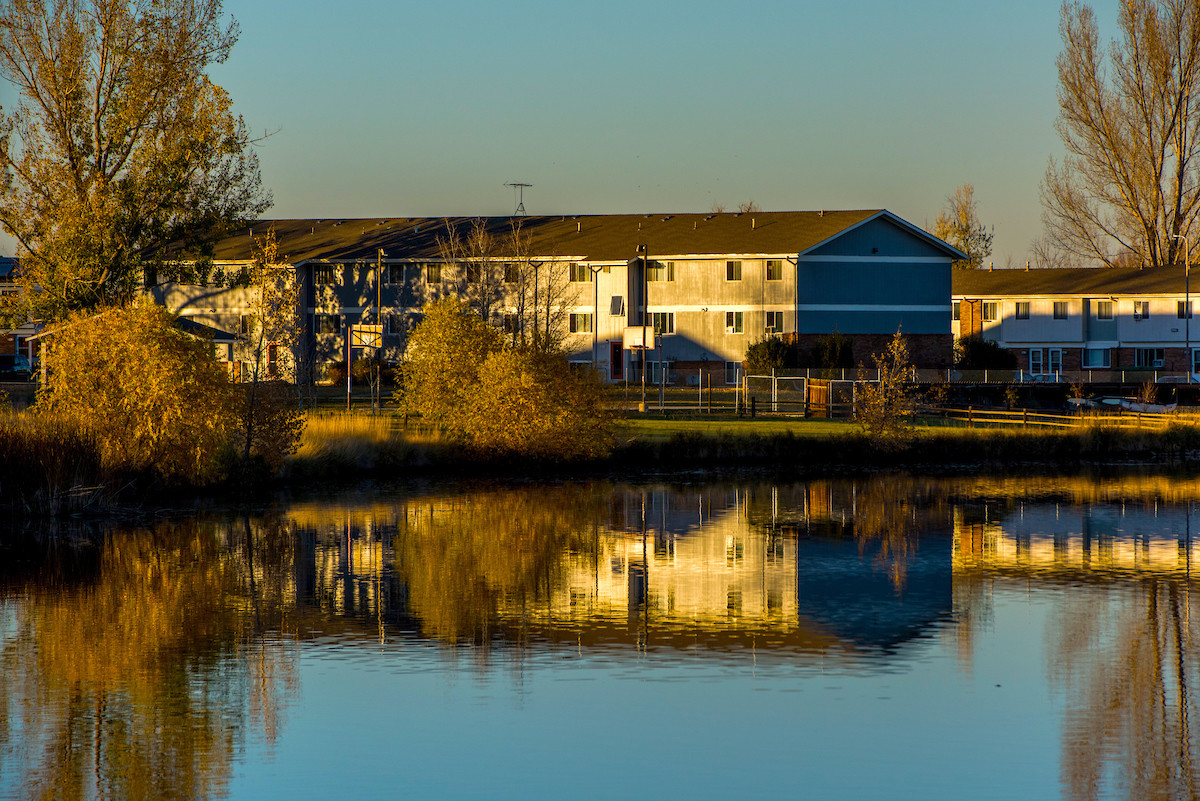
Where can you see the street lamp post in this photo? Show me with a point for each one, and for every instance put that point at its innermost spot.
(1187, 302)
(595, 313)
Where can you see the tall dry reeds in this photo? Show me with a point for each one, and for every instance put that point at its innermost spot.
(50, 465)
(358, 442)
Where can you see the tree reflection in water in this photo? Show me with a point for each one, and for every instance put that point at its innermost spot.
(1130, 679)
(142, 679)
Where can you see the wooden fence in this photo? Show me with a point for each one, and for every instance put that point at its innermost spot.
(1023, 418)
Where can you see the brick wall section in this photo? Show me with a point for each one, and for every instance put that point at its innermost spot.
(924, 350)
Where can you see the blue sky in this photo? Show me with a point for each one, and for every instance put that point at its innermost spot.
(384, 108)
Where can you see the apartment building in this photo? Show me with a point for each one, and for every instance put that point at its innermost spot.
(703, 286)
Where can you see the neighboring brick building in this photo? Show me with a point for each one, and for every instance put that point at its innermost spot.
(1065, 320)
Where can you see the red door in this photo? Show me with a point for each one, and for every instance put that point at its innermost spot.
(616, 361)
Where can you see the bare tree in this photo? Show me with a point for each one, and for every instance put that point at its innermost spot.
(1129, 119)
(748, 207)
(475, 255)
(959, 225)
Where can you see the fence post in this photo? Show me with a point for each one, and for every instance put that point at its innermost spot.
(970, 417)
(1024, 419)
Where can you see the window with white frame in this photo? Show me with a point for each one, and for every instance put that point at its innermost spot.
(1141, 310)
(1054, 362)
(1035, 361)
(512, 273)
(1021, 312)
(733, 372)
(1060, 310)
(1196, 360)
(1148, 357)
(733, 271)
(580, 273)
(1104, 310)
(1097, 358)
(990, 310)
(581, 323)
(327, 323)
(661, 271)
(734, 322)
(1183, 309)
(774, 269)
(774, 322)
(956, 310)
(433, 273)
(512, 323)
(394, 324)
(663, 322)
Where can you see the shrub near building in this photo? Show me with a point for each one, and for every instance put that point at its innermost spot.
(459, 376)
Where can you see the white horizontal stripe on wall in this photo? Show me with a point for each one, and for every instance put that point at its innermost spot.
(868, 307)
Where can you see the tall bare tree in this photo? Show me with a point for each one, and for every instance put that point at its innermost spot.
(959, 225)
(1129, 119)
(474, 256)
(120, 145)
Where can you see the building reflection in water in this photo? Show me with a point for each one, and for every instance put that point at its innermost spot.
(141, 660)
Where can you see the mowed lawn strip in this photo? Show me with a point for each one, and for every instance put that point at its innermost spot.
(656, 430)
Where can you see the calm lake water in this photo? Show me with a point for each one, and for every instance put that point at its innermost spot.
(890, 637)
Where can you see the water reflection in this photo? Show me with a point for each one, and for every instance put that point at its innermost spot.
(131, 665)
(140, 662)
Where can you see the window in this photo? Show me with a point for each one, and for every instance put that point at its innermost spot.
(616, 308)
(433, 273)
(1183, 309)
(989, 311)
(580, 274)
(1148, 357)
(1104, 310)
(1035, 361)
(246, 324)
(1022, 310)
(324, 274)
(664, 322)
(774, 321)
(512, 273)
(732, 371)
(393, 274)
(272, 360)
(733, 322)
(1097, 358)
(393, 324)
(512, 324)
(473, 271)
(1141, 310)
(774, 269)
(956, 310)
(327, 324)
(733, 271)
(1060, 310)
(581, 323)
(1055, 361)
(661, 271)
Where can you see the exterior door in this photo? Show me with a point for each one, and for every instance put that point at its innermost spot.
(616, 361)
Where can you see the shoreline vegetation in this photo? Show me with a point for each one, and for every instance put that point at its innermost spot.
(49, 468)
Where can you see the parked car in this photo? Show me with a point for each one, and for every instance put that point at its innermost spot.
(15, 367)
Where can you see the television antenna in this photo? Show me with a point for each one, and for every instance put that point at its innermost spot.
(519, 187)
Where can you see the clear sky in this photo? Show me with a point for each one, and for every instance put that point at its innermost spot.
(397, 108)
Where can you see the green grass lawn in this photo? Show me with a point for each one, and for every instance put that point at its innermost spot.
(659, 429)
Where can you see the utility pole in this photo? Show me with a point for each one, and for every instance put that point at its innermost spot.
(644, 250)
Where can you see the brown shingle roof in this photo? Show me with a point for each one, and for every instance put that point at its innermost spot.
(1076, 282)
(607, 237)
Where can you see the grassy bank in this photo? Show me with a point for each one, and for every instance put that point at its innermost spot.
(341, 444)
(48, 467)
